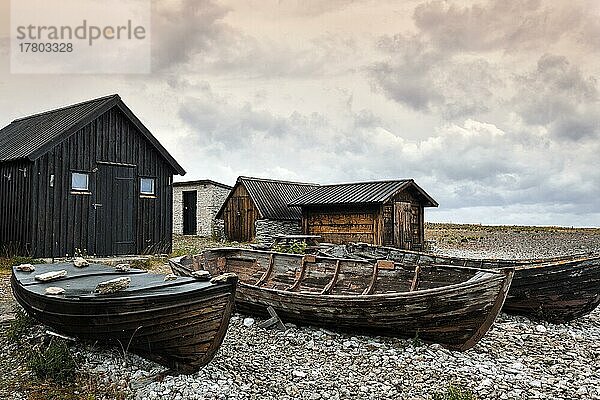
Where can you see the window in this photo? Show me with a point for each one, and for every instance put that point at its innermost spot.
(80, 181)
(147, 186)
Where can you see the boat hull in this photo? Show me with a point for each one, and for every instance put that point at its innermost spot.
(178, 325)
(557, 290)
(455, 315)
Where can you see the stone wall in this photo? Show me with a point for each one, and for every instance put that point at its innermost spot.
(210, 198)
(266, 229)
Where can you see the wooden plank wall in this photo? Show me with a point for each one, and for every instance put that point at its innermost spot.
(345, 224)
(62, 222)
(240, 215)
(14, 208)
(418, 226)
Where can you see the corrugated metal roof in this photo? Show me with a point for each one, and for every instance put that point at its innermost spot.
(24, 136)
(30, 137)
(354, 193)
(271, 197)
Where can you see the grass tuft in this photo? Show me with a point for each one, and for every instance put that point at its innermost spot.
(7, 263)
(20, 327)
(453, 392)
(53, 362)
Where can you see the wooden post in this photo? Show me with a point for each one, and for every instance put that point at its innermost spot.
(329, 287)
(268, 272)
(415, 281)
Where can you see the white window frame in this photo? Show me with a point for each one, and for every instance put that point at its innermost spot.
(153, 191)
(80, 188)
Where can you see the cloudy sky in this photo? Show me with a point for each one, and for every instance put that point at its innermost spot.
(493, 107)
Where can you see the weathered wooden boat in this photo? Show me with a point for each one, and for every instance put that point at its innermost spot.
(557, 289)
(178, 323)
(451, 305)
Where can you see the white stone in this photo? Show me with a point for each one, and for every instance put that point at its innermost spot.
(298, 374)
(540, 328)
(80, 262)
(113, 285)
(536, 383)
(52, 275)
(170, 277)
(486, 382)
(201, 275)
(248, 322)
(123, 267)
(25, 267)
(53, 290)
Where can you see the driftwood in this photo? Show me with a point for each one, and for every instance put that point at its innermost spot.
(50, 276)
(274, 321)
(58, 335)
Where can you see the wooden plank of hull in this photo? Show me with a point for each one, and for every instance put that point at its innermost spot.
(457, 318)
(181, 328)
(557, 289)
(456, 315)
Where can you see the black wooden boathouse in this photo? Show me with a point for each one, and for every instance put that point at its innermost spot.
(89, 177)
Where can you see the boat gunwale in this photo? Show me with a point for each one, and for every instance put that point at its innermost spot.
(119, 297)
(489, 276)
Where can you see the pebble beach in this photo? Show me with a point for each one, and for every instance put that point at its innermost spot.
(517, 359)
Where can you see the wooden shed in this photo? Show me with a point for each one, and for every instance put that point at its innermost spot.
(89, 177)
(256, 204)
(387, 213)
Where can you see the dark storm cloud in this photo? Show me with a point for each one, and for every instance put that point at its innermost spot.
(559, 96)
(182, 29)
(427, 78)
(191, 36)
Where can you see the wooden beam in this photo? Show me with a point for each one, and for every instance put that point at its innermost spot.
(300, 275)
(268, 272)
(371, 287)
(415, 280)
(329, 287)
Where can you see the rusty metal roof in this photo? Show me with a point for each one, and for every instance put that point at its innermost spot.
(271, 197)
(359, 192)
(31, 137)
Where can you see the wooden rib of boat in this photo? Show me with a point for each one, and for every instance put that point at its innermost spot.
(453, 306)
(557, 289)
(178, 323)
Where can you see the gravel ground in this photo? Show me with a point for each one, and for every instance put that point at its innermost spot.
(517, 359)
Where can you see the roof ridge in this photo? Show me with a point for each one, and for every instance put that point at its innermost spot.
(200, 181)
(363, 182)
(252, 178)
(67, 107)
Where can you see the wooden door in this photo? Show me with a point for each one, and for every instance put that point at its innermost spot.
(114, 210)
(189, 212)
(403, 225)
